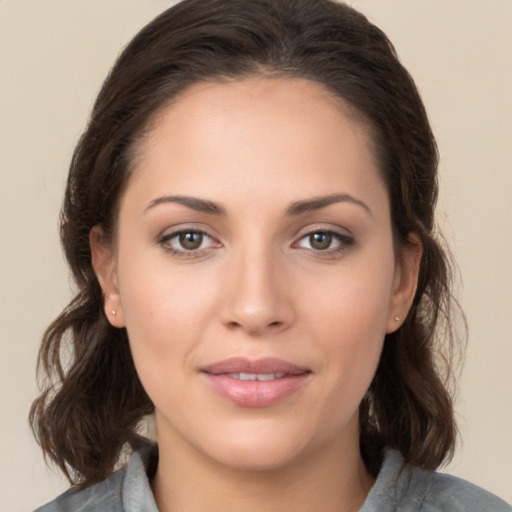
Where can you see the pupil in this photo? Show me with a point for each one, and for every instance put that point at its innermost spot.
(191, 241)
(320, 241)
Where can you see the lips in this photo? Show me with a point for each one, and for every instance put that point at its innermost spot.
(255, 383)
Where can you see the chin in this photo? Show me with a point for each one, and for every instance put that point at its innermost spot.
(261, 450)
(255, 459)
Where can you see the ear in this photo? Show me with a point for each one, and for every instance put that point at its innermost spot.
(104, 265)
(405, 283)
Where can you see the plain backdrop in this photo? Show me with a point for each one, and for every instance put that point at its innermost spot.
(54, 55)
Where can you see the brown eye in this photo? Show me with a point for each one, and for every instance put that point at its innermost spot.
(190, 240)
(320, 241)
(188, 243)
(325, 243)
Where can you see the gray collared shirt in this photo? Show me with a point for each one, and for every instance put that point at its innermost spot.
(399, 488)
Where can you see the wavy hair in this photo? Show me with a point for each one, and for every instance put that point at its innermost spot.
(92, 402)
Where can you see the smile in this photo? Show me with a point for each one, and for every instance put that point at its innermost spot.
(255, 383)
(256, 376)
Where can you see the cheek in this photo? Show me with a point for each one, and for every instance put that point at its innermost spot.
(354, 299)
(350, 316)
(155, 293)
(353, 335)
(167, 308)
(162, 332)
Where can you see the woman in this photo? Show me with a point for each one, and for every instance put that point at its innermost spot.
(249, 220)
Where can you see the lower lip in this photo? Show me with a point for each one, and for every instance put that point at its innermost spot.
(254, 393)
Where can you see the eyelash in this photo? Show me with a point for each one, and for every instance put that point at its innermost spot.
(187, 253)
(344, 242)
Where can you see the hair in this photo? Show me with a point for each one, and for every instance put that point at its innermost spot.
(92, 401)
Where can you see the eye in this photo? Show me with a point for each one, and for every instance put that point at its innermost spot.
(325, 241)
(320, 241)
(187, 241)
(190, 241)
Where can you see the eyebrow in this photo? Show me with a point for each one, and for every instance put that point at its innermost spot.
(296, 208)
(321, 202)
(194, 203)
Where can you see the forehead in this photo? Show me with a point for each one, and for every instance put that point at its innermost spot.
(288, 133)
(298, 98)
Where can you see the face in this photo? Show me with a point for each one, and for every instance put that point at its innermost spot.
(254, 272)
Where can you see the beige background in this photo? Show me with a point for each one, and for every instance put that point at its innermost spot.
(53, 57)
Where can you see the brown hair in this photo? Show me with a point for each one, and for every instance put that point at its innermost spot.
(92, 401)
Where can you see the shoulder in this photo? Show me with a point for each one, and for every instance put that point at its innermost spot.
(439, 491)
(106, 495)
(127, 490)
(401, 487)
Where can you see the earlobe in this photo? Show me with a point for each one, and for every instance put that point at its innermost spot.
(406, 282)
(103, 263)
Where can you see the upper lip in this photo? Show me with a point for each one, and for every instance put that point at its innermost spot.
(245, 365)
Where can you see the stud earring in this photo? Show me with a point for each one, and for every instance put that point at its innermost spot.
(114, 312)
(397, 319)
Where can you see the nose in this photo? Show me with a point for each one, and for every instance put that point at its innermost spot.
(257, 296)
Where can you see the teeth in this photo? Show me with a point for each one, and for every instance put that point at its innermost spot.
(256, 376)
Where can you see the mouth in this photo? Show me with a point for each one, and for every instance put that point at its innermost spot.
(255, 383)
(256, 376)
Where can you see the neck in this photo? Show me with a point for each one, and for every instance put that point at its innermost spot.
(333, 479)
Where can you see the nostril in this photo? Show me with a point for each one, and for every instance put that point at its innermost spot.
(238, 325)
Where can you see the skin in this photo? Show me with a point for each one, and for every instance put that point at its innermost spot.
(258, 285)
